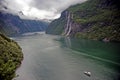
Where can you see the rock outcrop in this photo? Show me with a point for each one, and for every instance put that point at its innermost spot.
(70, 27)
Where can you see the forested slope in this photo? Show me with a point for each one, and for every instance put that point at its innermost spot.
(10, 57)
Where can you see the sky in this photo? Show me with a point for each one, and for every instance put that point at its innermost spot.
(37, 9)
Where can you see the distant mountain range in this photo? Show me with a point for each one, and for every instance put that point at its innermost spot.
(13, 25)
(93, 19)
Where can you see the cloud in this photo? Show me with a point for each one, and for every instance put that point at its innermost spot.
(37, 9)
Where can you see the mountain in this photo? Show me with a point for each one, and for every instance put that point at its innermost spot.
(10, 57)
(93, 19)
(14, 25)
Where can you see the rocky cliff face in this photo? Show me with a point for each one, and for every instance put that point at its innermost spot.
(12, 25)
(71, 27)
(93, 19)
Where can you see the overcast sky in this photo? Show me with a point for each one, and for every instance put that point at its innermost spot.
(37, 9)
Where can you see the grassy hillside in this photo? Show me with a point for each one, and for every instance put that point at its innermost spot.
(10, 57)
(98, 19)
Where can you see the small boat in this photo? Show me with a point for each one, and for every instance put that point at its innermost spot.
(87, 73)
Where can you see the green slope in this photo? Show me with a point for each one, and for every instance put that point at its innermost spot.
(10, 57)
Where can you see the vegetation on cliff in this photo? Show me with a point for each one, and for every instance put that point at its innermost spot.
(10, 57)
(95, 19)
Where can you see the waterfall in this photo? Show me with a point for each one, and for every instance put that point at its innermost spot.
(68, 22)
(68, 27)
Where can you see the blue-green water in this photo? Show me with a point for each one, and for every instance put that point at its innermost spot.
(48, 57)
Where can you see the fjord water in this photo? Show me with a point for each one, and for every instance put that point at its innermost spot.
(48, 57)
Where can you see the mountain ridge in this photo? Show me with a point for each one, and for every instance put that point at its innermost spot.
(14, 25)
(93, 19)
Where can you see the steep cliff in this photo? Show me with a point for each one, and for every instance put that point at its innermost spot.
(10, 57)
(12, 25)
(57, 26)
(93, 19)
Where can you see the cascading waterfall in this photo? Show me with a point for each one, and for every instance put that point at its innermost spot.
(68, 26)
(69, 30)
(68, 23)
